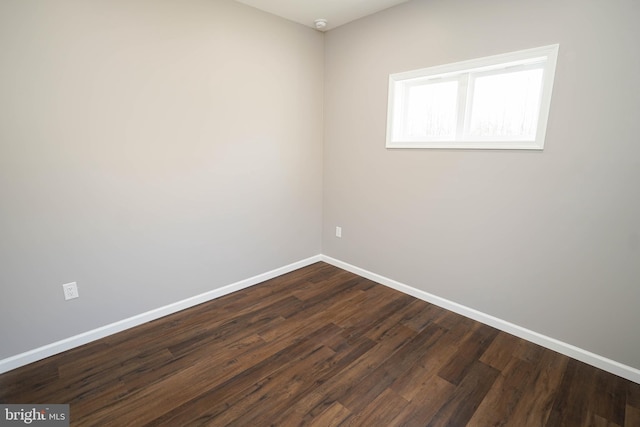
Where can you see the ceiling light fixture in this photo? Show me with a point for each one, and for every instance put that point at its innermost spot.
(321, 24)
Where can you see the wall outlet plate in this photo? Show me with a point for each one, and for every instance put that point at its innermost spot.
(70, 290)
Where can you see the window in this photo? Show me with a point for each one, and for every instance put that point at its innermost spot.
(497, 102)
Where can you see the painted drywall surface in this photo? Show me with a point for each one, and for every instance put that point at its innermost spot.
(149, 151)
(547, 240)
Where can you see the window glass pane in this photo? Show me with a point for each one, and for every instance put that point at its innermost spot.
(431, 110)
(506, 105)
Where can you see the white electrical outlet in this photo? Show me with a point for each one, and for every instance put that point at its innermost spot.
(70, 290)
(338, 231)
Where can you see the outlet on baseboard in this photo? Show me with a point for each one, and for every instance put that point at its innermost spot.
(338, 231)
(70, 290)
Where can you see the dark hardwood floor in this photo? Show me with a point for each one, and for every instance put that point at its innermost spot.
(322, 347)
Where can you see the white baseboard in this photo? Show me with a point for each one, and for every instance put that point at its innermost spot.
(577, 353)
(43, 352)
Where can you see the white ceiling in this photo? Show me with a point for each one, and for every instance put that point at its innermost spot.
(336, 12)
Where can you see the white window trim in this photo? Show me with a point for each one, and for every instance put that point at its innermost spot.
(486, 64)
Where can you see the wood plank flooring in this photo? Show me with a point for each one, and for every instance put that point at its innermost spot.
(322, 347)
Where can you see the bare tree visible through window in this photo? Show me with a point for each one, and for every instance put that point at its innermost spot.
(506, 105)
(432, 110)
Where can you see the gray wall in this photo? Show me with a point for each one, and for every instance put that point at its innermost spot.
(547, 240)
(154, 150)
(151, 151)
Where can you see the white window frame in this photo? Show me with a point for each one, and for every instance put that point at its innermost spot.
(465, 73)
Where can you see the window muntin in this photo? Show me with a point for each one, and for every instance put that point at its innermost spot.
(495, 102)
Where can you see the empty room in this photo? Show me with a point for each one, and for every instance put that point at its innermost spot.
(323, 213)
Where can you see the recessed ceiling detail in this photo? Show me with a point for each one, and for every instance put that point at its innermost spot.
(334, 12)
